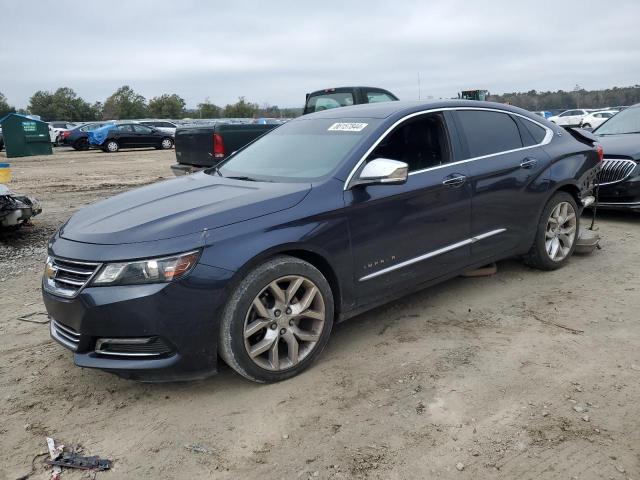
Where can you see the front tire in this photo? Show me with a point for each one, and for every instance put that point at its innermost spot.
(277, 320)
(556, 234)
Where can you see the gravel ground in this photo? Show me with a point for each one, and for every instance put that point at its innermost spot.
(523, 374)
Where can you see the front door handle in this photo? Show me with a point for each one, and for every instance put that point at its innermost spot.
(529, 163)
(454, 180)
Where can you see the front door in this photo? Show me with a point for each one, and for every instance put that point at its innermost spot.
(405, 235)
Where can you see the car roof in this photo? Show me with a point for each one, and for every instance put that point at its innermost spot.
(387, 109)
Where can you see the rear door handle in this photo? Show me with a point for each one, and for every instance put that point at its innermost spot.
(529, 163)
(454, 180)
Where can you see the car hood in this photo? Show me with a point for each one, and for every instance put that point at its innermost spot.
(179, 207)
(626, 145)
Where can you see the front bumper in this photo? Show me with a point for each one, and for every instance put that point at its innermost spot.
(624, 195)
(181, 316)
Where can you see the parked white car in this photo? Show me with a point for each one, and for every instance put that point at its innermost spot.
(56, 129)
(569, 118)
(162, 125)
(595, 119)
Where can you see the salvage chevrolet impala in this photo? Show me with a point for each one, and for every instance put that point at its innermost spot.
(324, 217)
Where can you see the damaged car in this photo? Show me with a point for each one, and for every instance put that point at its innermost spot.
(16, 209)
(329, 215)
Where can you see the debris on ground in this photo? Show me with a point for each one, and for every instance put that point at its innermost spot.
(196, 448)
(58, 458)
(485, 271)
(16, 209)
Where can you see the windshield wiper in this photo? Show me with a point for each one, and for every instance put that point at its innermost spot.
(248, 179)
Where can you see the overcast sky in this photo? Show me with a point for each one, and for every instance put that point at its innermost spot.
(277, 51)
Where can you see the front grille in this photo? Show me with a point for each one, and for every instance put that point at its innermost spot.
(133, 347)
(67, 277)
(615, 170)
(65, 335)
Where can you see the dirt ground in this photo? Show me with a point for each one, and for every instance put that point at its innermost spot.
(524, 374)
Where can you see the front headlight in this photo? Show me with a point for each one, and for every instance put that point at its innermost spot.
(154, 270)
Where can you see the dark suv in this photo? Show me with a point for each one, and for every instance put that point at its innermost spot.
(322, 218)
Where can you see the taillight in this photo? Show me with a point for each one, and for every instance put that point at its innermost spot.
(218, 146)
(600, 152)
(66, 133)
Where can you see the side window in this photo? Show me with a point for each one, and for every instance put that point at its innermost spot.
(327, 101)
(142, 129)
(421, 143)
(377, 97)
(125, 128)
(488, 132)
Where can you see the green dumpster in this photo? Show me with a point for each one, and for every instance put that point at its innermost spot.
(25, 136)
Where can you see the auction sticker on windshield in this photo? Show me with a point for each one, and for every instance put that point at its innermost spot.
(347, 127)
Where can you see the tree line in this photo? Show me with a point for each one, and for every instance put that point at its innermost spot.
(577, 98)
(125, 103)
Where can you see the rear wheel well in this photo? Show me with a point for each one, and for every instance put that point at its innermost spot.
(325, 268)
(573, 191)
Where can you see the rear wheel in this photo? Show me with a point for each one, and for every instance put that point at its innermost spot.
(556, 234)
(166, 143)
(111, 146)
(81, 144)
(277, 320)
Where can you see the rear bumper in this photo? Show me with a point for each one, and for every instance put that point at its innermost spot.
(182, 317)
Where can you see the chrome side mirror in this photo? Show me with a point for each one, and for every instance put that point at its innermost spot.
(382, 171)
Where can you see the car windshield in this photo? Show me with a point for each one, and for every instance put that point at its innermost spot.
(627, 121)
(299, 150)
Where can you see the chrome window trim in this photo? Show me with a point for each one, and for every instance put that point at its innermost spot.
(545, 141)
(433, 253)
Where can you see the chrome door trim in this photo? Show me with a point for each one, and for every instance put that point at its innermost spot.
(546, 140)
(432, 254)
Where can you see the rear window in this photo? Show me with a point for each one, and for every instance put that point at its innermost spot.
(329, 100)
(488, 132)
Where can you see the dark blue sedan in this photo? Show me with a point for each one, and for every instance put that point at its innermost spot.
(324, 217)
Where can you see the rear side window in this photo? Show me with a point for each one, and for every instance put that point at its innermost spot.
(537, 132)
(142, 129)
(488, 132)
(125, 128)
(377, 97)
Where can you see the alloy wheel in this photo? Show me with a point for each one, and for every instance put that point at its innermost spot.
(284, 323)
(561, 231)
(166, 143)
(112, 146)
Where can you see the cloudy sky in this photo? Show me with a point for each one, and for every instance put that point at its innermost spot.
(274, 52)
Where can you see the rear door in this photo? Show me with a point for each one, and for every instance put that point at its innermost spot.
(125, 135)
(507, 169)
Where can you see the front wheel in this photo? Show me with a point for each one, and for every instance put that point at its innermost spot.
(277, 320)
(556, 234)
